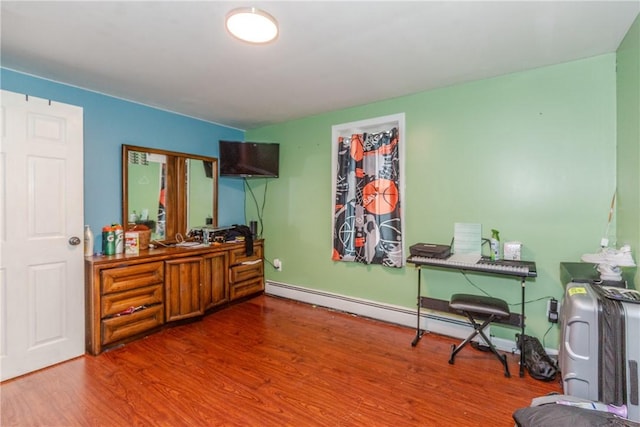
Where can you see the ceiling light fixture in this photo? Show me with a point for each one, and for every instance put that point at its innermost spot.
(252, 25)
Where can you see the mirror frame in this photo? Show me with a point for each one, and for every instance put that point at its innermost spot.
(176, 220)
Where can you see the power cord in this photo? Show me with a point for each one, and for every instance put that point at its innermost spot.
(509, 304)
(259, 210)
(545, 336)
(474, 285)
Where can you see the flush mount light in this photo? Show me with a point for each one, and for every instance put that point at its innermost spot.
(252, 25)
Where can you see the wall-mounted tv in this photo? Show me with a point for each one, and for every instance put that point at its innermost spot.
(249, 159)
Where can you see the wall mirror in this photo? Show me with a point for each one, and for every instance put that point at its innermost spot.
(168, 191)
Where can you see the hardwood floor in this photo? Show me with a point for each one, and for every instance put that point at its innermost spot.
(274, 362)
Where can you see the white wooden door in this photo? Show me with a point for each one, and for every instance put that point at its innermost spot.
(41, 211)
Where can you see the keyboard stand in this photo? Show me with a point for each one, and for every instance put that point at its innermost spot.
(419, 331)
(512, 268)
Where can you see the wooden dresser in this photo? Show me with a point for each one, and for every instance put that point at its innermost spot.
(130, 296)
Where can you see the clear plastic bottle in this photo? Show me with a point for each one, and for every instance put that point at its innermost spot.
(88, 241)
(495, 245)
(119, 231)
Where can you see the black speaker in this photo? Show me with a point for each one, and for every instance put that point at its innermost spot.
(253, 226)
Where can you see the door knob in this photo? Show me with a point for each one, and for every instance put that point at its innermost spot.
(74, 241)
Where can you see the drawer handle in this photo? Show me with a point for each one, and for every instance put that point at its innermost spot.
(252, 262)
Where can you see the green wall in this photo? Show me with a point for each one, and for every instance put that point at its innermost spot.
(628, 153)
(200, 194)
(144, 191)
(532, 154)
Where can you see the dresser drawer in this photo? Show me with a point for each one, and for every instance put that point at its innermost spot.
(119, 328)
(118, 302)
(239, 255)
(241, 272)
(245, 288)
(131, 277)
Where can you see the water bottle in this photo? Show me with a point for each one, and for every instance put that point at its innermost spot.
(88, 241)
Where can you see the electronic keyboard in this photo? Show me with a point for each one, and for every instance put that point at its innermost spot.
(504, 267)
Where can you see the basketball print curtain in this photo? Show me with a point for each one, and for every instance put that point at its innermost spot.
(367, 215)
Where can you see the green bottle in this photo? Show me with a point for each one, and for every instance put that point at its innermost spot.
(495, 245)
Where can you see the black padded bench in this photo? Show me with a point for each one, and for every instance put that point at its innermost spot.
(481, 311)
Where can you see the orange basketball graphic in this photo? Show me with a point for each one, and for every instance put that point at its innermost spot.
(357, 150)
(380, 196)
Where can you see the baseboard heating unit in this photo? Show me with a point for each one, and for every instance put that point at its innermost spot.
(440, 323)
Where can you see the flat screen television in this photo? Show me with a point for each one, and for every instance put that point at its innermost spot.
(249, 159)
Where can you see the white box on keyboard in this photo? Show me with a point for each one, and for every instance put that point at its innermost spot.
(512, 251)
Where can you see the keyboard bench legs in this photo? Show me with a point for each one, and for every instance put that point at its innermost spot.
(478, 329)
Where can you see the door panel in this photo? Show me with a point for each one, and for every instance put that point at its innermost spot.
(183, 284)
(46, 313)
(42, 280)
(47, 201)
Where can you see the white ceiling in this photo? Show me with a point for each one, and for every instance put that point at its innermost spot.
(329, 55)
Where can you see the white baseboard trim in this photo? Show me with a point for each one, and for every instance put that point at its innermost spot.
(441, 323)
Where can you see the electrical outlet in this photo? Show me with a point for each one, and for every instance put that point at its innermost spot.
(552, 310)
(277, 264)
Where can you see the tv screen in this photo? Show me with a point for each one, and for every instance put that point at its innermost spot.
(249, 159)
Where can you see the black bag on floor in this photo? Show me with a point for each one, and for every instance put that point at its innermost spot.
(538, 363)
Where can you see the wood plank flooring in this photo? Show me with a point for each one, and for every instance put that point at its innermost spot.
(274, 362)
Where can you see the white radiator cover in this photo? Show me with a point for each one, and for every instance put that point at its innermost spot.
(440, 323)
